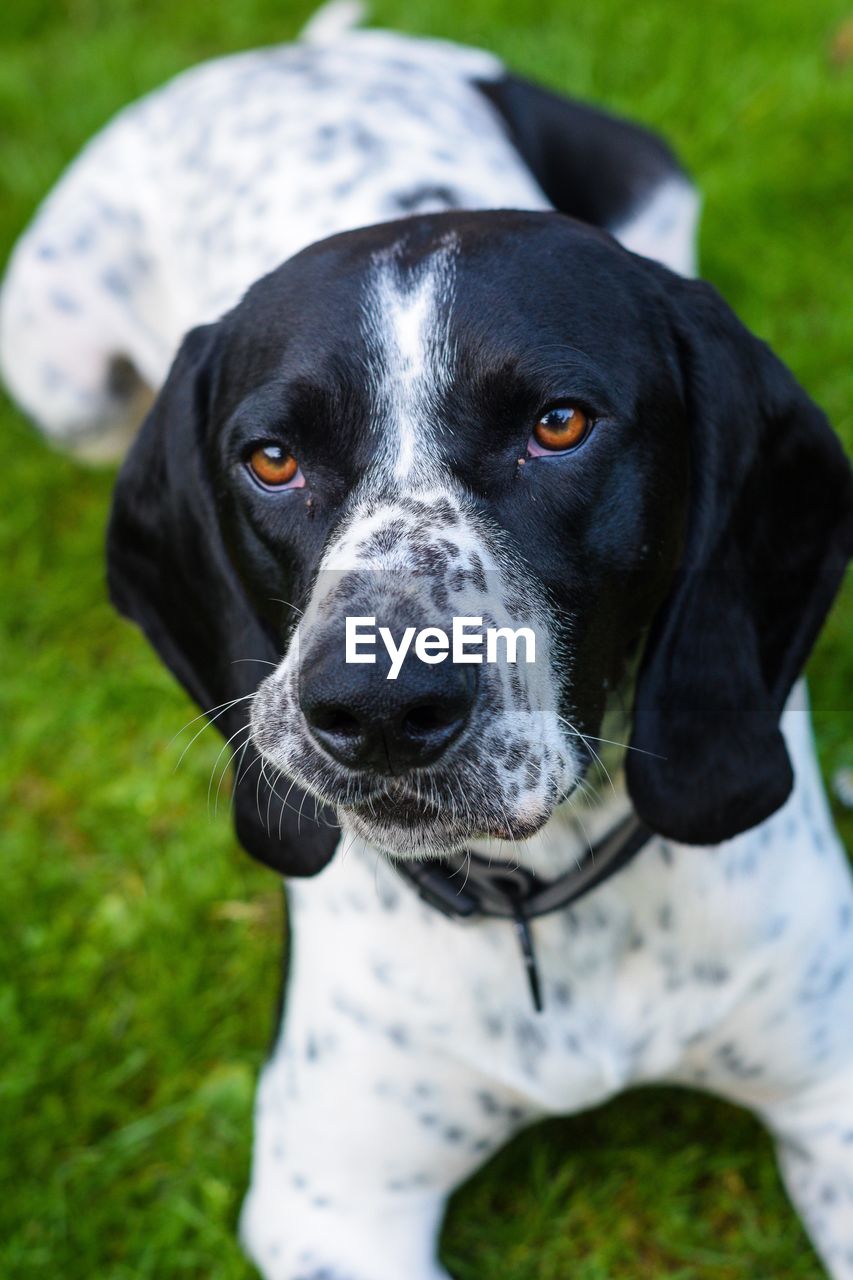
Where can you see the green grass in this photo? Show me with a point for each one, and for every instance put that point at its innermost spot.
(139, 950)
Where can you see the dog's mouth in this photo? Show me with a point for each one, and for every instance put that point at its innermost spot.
(389, 806)
(419, 823)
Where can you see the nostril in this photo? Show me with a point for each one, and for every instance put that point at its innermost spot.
(365, 721)
(335, 720)
(427, 717)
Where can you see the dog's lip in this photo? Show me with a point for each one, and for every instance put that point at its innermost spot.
(397, 804)
(400, 808)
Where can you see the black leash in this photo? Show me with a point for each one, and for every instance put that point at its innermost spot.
(466, 886)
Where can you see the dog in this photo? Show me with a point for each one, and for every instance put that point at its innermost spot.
(482, 386)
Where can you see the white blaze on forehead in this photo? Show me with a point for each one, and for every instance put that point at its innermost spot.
(407, 328)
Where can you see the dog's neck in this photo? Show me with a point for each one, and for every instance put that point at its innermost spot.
(575, 827)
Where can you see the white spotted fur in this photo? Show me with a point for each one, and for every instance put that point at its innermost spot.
(410, 1052)
(664, 227)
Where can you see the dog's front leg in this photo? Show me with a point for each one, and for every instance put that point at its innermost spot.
(814, 1131)
(368, 1114)
(366, 1231)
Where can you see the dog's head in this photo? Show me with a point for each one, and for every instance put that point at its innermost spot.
(494, 416)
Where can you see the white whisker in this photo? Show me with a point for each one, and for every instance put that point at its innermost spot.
(226, 706)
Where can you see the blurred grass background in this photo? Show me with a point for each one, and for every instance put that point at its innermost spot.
(139, 950)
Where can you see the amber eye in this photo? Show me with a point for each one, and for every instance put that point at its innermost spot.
(560, 429)
(273, 465)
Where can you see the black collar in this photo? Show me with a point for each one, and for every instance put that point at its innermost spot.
(466, 886)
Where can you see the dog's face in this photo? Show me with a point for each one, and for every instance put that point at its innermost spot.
(472, 439)
(500, 416)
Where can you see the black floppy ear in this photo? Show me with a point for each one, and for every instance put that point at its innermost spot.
(168, 570)
(769, 536)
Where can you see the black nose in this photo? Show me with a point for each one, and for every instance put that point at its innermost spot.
(388, 726)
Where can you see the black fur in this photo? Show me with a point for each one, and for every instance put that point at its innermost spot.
(169, 570)
(771, 531)
(589, 163)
